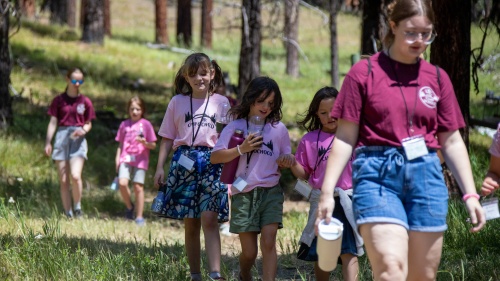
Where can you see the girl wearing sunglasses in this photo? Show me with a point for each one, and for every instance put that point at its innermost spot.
(71, 114)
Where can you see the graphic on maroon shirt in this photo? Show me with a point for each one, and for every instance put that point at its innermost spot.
(428, 97)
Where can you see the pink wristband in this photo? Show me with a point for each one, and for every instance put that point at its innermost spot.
(469, 195)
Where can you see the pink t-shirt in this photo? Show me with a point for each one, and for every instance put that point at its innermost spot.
(71, 111)
(178, 121)
(312, 153)
(376, 103)
(134, 152)
(262, 168)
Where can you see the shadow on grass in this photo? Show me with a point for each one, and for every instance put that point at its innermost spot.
(108, 74)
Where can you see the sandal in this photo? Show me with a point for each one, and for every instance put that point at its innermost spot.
(216, 276)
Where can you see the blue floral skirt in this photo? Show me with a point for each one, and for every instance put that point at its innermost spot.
(188, 193)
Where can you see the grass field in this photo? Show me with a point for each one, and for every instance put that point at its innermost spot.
(38, 243)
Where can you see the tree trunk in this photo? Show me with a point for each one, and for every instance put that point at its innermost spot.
(28, 8)
(71, 18)
(334, 46)
(206, 23)
(373, 25)
(161, 35)
(249, 66)
(83, 4)
(107, 17)
(291, 31)
(452, 50)
(184, 25)
(6, 116)
(93, 22)
(58, 11)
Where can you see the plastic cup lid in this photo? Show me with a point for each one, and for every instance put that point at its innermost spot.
(330, 231)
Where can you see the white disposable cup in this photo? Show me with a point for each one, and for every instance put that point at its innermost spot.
(329, 244)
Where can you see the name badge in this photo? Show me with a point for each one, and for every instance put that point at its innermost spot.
(415, 147)
(240, 184)
(129, 158)
(186, 162)
(303, 188)
(490, 207)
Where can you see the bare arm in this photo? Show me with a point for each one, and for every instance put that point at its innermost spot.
(165, 148)
(343, 145)
(299, 172)
(51, 129)
(455, 153)
(490, 182)
(117, 157)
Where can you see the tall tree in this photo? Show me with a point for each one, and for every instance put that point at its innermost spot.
(249, 66)
(184, 25)
(334, 46)
(71, 17)
(6, 9)
(206, 23)
(451, 50)
(373, 25)
(58, 11)
(83, 4)
(161, 34)
(93, 22)
(291, 30)
(107, 17)
(28, 8)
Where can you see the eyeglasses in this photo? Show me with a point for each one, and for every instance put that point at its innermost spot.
(426, 37)
(74, 81)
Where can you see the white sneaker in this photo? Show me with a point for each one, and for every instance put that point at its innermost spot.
(224, 229)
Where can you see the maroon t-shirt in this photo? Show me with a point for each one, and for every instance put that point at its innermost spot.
(71, 111)
(376, 101)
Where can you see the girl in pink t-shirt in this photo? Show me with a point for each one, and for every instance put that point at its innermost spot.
(256, 196)
(137, 137)
(192, 192)
(71, 114)
(311, 158)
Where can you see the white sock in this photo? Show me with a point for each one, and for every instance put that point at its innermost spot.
(78, 206)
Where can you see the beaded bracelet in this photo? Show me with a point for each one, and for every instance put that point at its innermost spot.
(469, 195)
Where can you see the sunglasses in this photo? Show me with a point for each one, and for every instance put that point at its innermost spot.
(74, 81)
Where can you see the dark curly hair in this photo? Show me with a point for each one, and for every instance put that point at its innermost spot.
(258, 89)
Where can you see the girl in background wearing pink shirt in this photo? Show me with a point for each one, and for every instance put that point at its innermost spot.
(192, 190)
(256, 196)
(311, 158)
(71, 114)
(137, 137)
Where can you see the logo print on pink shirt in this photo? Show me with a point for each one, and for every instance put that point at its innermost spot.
(428, 97)
(80, 108)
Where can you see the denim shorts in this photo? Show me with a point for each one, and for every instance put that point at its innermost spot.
(390, 189)
(65, 147)
(130, 172)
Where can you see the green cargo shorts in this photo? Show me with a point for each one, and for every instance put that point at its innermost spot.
(252, 210)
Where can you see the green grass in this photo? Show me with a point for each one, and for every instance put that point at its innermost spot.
(105, 247)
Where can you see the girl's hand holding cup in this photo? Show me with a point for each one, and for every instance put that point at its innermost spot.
(251, 143)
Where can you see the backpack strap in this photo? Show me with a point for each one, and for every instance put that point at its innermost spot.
(438, 75)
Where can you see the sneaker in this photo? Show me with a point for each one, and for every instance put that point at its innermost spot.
(129, 214)
(140, 222)
(78, 213)
(69, 215)
(224, 229)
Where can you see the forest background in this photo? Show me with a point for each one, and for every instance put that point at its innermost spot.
(36, 242)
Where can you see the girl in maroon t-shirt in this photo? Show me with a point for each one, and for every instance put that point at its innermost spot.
(71, 114)
(397, 110)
